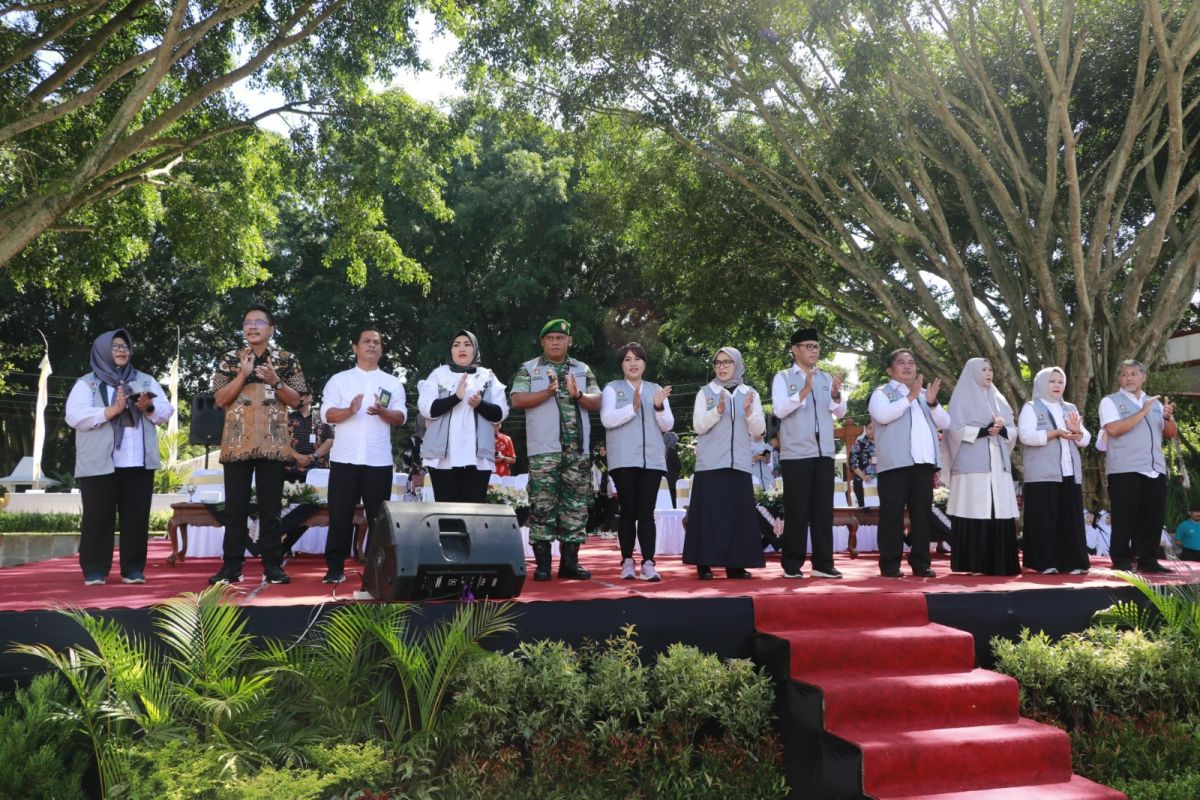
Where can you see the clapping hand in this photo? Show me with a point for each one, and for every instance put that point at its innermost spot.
(637, 397)
(247, 362)
(356, 404)
(460, 392)
(120, 398)
(573, 386)
(1168, 410)
(748, 402)
(932, 392)
(266, 373)
(145, 402)
(721, 404)
(836, 391)
(474, 399)
(660, 397)
(996, 426)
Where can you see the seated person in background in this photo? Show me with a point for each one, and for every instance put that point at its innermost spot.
(861, 461)
(1187, 535)
(312, 440)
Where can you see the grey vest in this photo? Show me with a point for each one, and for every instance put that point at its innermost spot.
(94, 448)
(1045, 463)
(727, 444)
(436, 443)
(1139, 449)
(543, 425)
(808, 431)
(639, 442)
(893, 441)
(976, 456)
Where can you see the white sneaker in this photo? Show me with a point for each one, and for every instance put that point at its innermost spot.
(649, 573)
(1051, 571)
(1079, 572)
(628, 572)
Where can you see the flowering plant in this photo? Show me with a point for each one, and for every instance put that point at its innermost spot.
(516, 499)
(300, 493)
(941, 497)
(771, 500)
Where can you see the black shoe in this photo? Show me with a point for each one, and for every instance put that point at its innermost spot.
(738, 573)
(273, 573)
(334, 575)
(828, 572)
(1153, 568)
(227, 574)
(923, 572)
(1122, 566)
(704, 573)
(568, 563)
(891, 573)
(541, 557)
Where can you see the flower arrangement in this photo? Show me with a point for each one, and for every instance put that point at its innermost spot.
(771, 500)
(300, 493)
(941, 497)
(516, 499)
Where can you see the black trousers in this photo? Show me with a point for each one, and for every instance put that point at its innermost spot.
(637, 491)
(1188, 554)
(1138, 506)
(859, 493)
(807, 503)
(672, 477)
(460, 485)
(899, 489)
(268, 484)
(126, 491)
(349, 485)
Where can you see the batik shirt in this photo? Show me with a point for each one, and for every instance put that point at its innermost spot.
(256, 424)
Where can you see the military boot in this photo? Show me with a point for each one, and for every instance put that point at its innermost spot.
(541, 558)
(568, 563)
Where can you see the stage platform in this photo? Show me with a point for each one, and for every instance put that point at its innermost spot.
(716, 615)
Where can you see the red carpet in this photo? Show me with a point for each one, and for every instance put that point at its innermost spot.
(58, 582)
(906, 693)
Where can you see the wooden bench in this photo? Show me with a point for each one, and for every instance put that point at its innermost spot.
(185, 514)
(853, 517)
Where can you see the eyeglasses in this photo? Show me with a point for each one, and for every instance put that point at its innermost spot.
(809, 345)
(255, 323)
(723, 362)
(120, 348)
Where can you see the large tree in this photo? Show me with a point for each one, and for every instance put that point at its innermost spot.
(1017, 178)
(118, 122)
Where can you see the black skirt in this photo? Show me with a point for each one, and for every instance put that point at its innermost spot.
(722, 521)
(1054, 535)
(986, 546)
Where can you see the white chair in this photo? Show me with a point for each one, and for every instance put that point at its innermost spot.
(210, 485)
(683, 493)
(663, 500)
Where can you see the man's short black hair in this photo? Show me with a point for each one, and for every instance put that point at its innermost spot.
(892, 356)
(359, 333)
(264, 310)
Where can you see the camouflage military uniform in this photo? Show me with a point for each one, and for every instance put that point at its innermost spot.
(560, 484)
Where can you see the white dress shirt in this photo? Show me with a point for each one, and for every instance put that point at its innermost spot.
(612, 416)
(362, 439)
(783, 404)
(922, 439)
(461, 444)
(1109, 413)
(83, 415)
(1030, 436)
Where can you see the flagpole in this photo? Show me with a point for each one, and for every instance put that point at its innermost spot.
(173, 422)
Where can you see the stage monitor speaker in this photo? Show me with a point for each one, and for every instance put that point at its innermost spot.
(208, 421)
(438, 551)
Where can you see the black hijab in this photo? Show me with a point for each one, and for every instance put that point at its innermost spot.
(470, 368)
(106, 369)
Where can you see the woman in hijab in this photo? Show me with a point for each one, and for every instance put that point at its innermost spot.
(983, 502)
(636, 414)
(722, 524)
(114, 410)
(461, 399)
(1052, 432)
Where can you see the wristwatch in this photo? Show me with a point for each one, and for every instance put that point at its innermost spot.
(277, 384)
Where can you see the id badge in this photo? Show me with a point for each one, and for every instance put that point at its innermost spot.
(312, 438)
(268, 393)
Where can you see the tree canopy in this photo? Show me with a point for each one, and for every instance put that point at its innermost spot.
(1016, 178)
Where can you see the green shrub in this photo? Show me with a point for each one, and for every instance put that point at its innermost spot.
(33, 522)
(39, 747)
(1184, 787)
(1103, 671)
(686, 726)
(1152, 747)
(159, 520)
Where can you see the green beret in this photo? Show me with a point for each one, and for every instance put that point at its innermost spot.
(556, 326)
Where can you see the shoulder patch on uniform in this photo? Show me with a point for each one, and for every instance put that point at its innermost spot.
(710, 403)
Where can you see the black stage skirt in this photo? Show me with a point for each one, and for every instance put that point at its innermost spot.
(722, 524)
(986, 546)
(1054, 535)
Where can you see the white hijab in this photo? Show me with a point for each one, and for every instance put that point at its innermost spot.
(974, 405)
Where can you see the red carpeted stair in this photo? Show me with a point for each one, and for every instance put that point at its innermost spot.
(906, 694)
